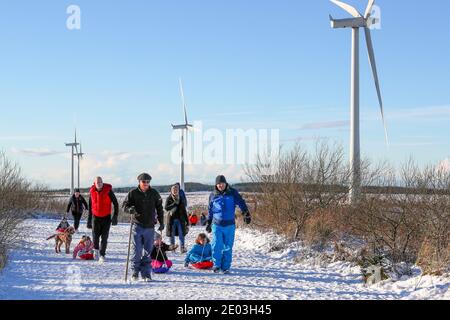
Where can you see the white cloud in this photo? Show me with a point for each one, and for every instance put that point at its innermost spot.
(23, 138)
(326, 125)
(37, 152)
(430, 112)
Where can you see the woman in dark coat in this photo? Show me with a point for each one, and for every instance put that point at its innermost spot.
(177, 217)
(77, 204)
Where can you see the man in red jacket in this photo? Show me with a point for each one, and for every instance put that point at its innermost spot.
(101, 198)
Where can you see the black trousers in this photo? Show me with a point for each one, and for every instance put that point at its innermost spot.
(76, 219)
(100, 229)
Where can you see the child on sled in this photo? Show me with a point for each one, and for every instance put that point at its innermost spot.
(200, 256)
(85, 249)
(160, 261)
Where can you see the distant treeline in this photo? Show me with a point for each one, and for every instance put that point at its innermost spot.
(255, 187)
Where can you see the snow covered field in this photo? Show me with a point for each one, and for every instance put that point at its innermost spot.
(36, 272)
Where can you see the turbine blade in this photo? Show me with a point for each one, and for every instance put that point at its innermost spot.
(76, 144)
(369, 9)
(348, 8)
(373, 65)
(184, 102)
(193, 129)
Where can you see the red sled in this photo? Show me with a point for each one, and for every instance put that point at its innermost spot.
(87, 256)
(203, 265)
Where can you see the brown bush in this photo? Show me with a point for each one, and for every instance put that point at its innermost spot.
(391, 224)
(432, 259)
(17, 199)
(297, 186)
(303, 196)
(322, 228)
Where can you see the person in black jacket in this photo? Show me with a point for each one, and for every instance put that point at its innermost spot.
(177, 217)
(78, 204)
(142, 203)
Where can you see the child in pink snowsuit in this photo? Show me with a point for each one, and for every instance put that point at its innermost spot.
(159, 256)
(85, 249)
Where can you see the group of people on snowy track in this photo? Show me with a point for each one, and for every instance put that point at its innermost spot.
(146, 208)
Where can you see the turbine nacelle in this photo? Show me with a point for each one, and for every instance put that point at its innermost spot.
(182, 126)
(348, 23)
(353, 22)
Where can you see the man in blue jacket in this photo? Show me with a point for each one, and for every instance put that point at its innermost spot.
(221, 222)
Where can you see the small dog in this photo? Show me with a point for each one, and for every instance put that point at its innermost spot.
(64, 237)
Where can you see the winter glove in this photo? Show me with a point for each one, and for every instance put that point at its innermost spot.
(209, 227)
(114, 220)
(247, 217)
(187, 229)
(89, 224)
(186, 264)
(161, 227)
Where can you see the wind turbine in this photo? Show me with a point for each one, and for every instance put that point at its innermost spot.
(183, 129)
(74, 146)
(358, 21)
(79, 158)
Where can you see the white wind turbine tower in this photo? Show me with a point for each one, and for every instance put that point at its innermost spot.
(358, 21)
(183, 129)
(74, 147)
(79, 158)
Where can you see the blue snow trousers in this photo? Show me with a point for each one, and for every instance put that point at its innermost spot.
(222, 246)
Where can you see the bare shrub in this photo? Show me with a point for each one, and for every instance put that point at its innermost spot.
(17, 199)
(402, 216)
(322, 228)
(300, 185)
(434, 255)
(391, 223)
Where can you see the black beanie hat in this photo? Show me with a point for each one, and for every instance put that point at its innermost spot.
(221, 179)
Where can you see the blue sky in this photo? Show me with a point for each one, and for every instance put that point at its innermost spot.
(245, 64)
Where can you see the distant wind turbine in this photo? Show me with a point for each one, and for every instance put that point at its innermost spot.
(183, 129)
(79, 158)
(358, 21)
(74, 147)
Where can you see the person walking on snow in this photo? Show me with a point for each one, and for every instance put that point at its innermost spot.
(221, 222)
(142, 203)
(178, 222)
(182, 195)
(78, 204)
(101, 200)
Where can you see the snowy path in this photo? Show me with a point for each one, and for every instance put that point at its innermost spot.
(36, 272)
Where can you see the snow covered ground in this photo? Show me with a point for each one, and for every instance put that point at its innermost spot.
(34, 271)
